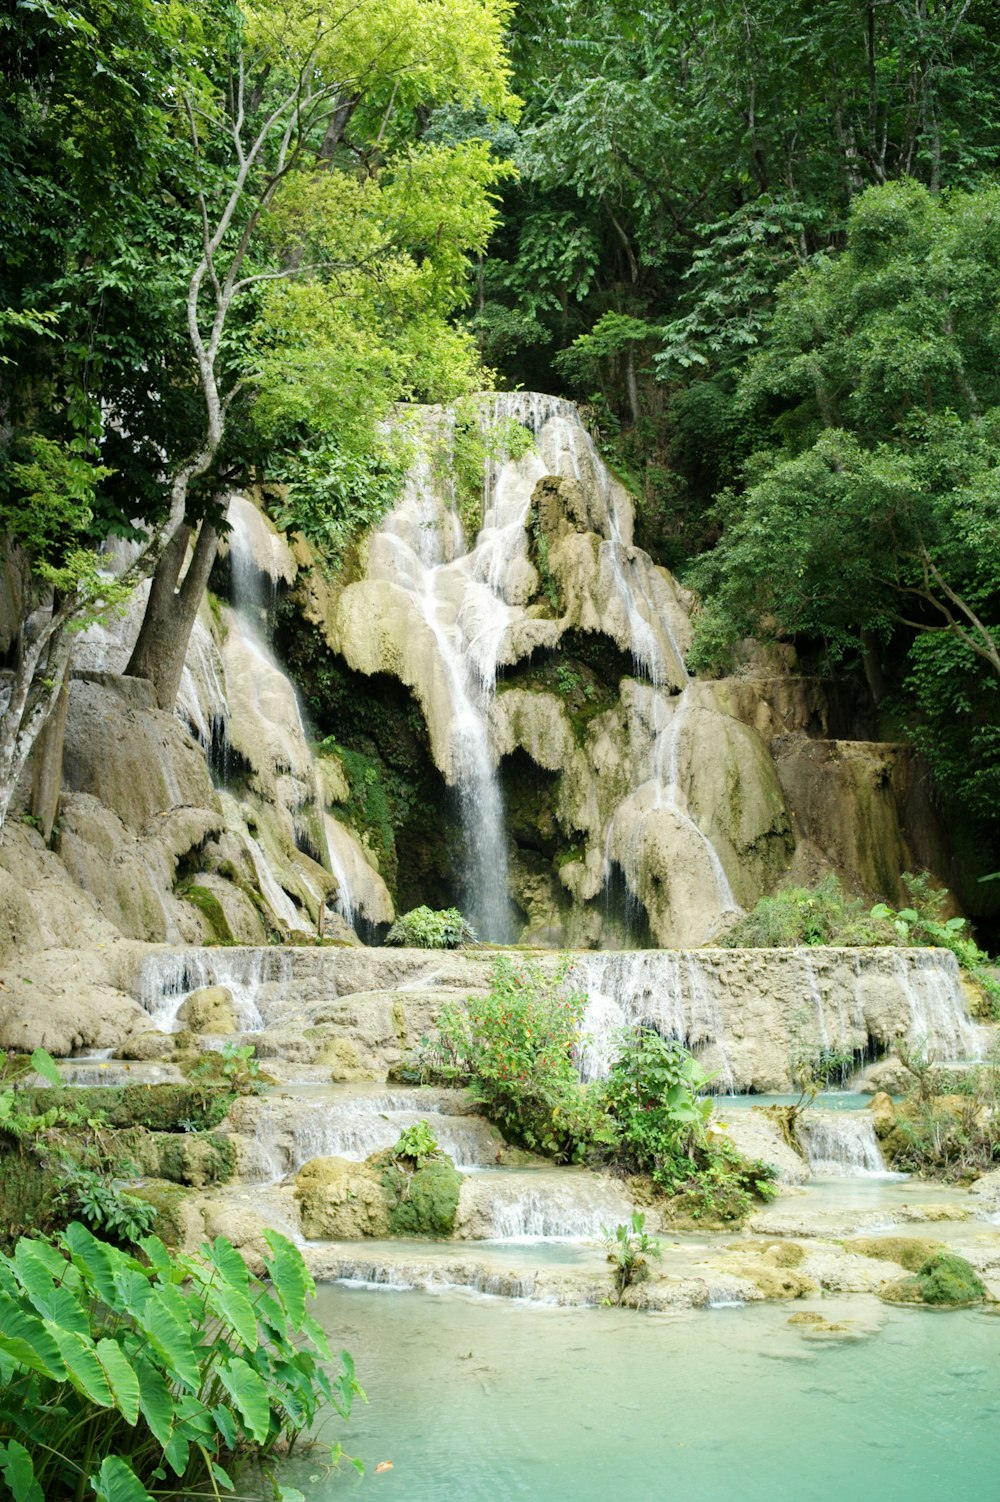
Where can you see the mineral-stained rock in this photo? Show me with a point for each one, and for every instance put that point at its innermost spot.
(342, 1201)
(209, 1010)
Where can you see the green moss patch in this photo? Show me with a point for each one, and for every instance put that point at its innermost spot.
(424, 1202)
(944, 1280)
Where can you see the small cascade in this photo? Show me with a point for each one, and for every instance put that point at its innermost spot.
(668, 989)
(539, 1206)
(167, 979)
(841, 1144)
(930, 980)
(283, 1132)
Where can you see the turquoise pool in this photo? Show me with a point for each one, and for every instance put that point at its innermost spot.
(487, 1399)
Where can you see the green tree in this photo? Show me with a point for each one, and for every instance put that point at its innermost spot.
(274, 145)
(871, 522)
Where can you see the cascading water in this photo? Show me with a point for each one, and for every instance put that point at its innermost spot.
(167, 979)
(418, 550)
(667, 990)
(841, 1144)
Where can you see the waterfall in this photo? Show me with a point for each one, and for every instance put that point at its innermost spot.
(669, 989)
(931, 983)
(841, 1144)
(418, 549)
(166, 979)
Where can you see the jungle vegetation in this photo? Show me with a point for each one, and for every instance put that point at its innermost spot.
(757, 241)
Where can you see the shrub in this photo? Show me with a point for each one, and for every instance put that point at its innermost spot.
(652, 1095)
(418, 1144)
(516, 1049)
(804, 915)
(120, 1375)
(425, 928)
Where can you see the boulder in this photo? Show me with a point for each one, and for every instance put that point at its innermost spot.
(342, 1201)
(209, 1010)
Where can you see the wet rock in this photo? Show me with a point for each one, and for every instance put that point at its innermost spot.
(144, 1047)
(342, 1201)
(209, 1010)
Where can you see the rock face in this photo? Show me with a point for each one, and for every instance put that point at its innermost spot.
(342, 1201)
(700, 797)
(357, 1012)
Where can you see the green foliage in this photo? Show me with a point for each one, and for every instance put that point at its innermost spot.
(653, 1097)
(418, 1144)
(924, 923)
(945, 1127)
(236, 1066)
(423, 928)
(121, 1376)
(629, 1246)
(943, 1279)
(725, 1188)
(809, 915)
(333, 495)
(103, 1205)
(516, 1048)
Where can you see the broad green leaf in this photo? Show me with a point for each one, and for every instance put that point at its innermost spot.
(29, 1341)
(96, 1260)
(226, 1425)
(44, 1064)
(178, 1452)
(157, 1253)
(121, 1377)
(19, 1473)
(317, 1335)
(50, 1299)
(170, 1337)
(155, 1402)
(85, 1371)
(224, 1256)
(247, 1390)
(235, 1309)
(221, 1476)
(117, 1482)
(290, 1276)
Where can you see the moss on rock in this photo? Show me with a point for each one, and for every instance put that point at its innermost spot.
(424, 1203)
(159, 1108)
(943, 1280)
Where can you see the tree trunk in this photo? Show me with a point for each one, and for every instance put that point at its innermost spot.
(162, 643)
(46, 780)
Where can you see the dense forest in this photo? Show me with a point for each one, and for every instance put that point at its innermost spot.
(759, 243)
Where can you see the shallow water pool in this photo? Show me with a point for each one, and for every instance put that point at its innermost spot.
(487, 1399)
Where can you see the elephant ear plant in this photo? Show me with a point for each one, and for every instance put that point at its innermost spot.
(121, 1378)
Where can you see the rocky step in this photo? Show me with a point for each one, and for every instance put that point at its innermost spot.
(280, 1131)
(540, 1203)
